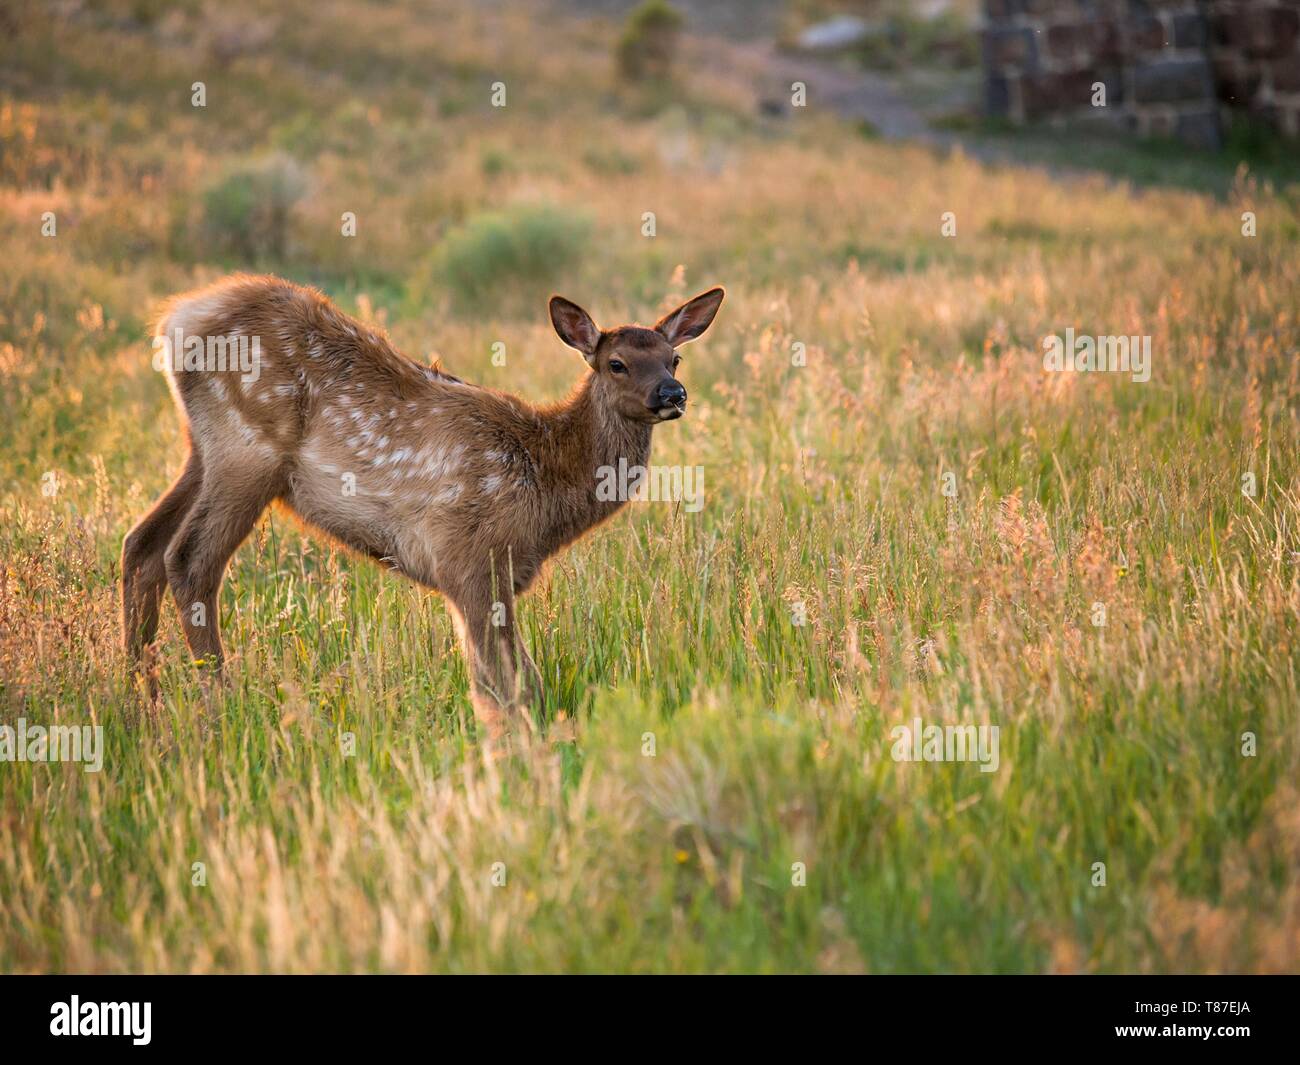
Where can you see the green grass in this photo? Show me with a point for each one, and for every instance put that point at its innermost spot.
(698, 747)
(1141, 162)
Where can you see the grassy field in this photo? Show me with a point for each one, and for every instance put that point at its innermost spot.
(714, 788)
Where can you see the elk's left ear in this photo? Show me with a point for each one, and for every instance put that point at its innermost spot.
(690, 319)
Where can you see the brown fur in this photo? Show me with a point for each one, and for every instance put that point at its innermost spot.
(463, 489)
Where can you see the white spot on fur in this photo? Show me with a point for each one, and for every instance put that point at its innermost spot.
(437, 464)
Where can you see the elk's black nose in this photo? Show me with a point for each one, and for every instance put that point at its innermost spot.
(671, 394)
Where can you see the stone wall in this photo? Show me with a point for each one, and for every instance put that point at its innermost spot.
(1181, 68)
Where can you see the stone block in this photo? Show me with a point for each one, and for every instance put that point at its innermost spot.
(1172, 80)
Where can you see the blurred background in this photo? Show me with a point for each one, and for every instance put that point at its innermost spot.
(612, 108)
(904, 514)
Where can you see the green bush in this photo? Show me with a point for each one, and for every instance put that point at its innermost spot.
(649, 41)
(520, 249)
(494, 162)
(247, 212)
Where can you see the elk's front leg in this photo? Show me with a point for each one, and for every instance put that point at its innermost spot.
(504, 681)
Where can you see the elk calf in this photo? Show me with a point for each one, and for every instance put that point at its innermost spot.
(463, 489)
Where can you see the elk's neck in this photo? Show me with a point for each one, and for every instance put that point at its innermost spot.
(584, 436)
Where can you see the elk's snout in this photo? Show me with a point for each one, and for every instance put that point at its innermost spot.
(670, 400)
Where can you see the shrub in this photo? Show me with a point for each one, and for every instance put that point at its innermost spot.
(649, 41)
(524, 247)
(495, 161)
(247, 212)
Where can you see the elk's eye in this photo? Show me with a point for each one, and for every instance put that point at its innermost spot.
(677, 361)
(616, 367)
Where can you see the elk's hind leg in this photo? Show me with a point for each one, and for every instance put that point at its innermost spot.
(217, 523)
(144, 573)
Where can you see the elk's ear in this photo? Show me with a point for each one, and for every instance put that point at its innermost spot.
(690, 319)
(575, 327)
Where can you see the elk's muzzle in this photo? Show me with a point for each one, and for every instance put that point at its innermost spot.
(670, 400)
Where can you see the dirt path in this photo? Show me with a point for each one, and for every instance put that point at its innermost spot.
(741, 41)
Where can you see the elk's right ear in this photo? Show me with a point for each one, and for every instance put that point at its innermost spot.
(575, 327)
